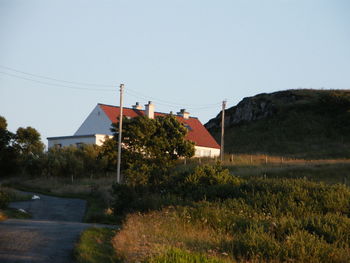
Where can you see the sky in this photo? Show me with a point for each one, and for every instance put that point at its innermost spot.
(58, 59)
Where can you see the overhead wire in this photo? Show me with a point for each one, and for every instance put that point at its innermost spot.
(58, 80)
(53, 84)
(129, 91)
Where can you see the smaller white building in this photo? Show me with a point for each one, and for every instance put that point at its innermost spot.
(77, 140)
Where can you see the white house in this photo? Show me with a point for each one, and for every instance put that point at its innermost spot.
(98, 124)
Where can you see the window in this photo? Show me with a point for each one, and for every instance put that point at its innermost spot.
(58, 145)
(79, 144)
(188, 127)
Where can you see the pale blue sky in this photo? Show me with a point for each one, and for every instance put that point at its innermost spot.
(187, 53)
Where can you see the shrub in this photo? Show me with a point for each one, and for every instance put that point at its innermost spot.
(255, 243)
(303, 246)
(123, 196)
(4, 199)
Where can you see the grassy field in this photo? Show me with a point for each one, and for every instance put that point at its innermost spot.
(297, 212)
(330, 171)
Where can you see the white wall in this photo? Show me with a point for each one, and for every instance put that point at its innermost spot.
(201, 151)
(96, 123)
(74, 140)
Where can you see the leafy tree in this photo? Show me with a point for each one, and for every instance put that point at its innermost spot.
(151, 146)
(28, 141)
(30, 149)
(8, 153)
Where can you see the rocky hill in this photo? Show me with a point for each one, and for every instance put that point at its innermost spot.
(300, 123)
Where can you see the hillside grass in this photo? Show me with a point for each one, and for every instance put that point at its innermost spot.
(310, 124)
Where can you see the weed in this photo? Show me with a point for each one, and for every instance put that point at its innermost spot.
(95, 246)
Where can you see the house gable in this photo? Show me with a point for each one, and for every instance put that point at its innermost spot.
(96, 123)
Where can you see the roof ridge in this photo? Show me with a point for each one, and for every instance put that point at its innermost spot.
(193, 117)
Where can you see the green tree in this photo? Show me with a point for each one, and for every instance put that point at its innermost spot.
(30, 149)
(28, 141)
(8, 153)
(151, 147)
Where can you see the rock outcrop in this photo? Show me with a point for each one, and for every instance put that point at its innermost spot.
(255, 108)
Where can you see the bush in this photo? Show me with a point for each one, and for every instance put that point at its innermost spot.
(255, 243)
(123, 197)
(4, 199)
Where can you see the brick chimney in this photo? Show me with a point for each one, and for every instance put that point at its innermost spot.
(183, 113)
(137, 106)
(149, 110)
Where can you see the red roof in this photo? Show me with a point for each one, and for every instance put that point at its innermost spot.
(196, 131)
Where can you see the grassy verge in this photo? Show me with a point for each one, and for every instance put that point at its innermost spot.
(13, 213)
(95, 246)
(11, 195)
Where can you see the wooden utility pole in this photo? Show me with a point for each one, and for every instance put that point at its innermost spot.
(222, 130)
(120, 133)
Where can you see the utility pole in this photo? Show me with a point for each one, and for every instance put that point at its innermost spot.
(120, 133)
(222, 130)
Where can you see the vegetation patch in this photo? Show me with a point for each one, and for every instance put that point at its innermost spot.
(244, 220)
(182, 256)
(145, 236)
(95, 246)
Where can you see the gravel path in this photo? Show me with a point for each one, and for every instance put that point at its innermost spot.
(49, 236)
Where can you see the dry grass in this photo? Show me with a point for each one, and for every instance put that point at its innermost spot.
(263, 159)
(147, 235)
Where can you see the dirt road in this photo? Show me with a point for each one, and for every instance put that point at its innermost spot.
(49, 236)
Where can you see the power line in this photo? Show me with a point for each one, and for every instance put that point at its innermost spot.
(58, 80)
(52, 84)
(130, 92)
(214, 105)
(169, 102)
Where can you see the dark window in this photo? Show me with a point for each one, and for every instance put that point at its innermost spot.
(188, 127)
(79, 144)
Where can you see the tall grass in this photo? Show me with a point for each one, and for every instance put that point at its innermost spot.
(249, 220)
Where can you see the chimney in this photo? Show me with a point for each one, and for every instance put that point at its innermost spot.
(183, 113)
(149, 110)
(137, 106)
